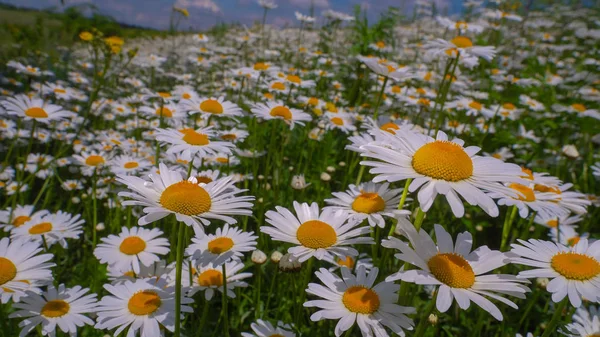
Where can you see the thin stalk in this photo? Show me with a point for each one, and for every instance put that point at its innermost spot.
(551, 327)
(401, 204)
(419, 219)
(507, 226)
(225, 310)
(420, 330)
(379, 99)
(94, 208)
(178, 272)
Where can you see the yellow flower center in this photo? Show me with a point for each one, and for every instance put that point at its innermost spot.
(294, 79)
(8, 270)
(573, 241)
(390, 127)
(220, 245)
(462, 42)
(211, 106)
(229, 137)
(361, 300)
(60, 91)
(578, 107)
(547, 189)
(132, 245)
(552, 223)
(574, 266)
(131, 165)
(277, 335)
(222, 160)
(452, 270)
(443, 160)
(368, 203)
(144, 303)
(40, 228)
(55, 308)
(186, 198)
(192, 137)
(316, 234)
(527, 193)
(20, 220)
(36, 112)
(202, 179)
(210, 277)
(165, 112)
(278, 86)
(337, 121)
(164, 94)
(475, 105)
(186, 96)
(347, 262)
(94, 160)
(281, 111)
(260, 66)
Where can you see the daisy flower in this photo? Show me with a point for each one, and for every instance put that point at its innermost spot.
(459, 45)
(458, 271)
(387, 68)
(193, 203)
(20, 266)
(210, 278)
(226, 244)
(341, 122)
(206, 176)
(318, 234)
(146, 306)
(20, 215)
(368, 201)
(34, 109)
(211, 106)
(553, 221)
(132, 247)
(440, 166)
(167, 112)
(574, 271)
(127, 164)
(53, 228)
(355, 299)
(277, 110)
(62, 307)
(190, 142)
(262, 328)
(91, 162)
(586, 323)
(569, 236)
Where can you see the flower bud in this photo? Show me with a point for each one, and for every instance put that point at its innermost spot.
(258, 257)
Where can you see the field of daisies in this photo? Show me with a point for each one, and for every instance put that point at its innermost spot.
(415, 176)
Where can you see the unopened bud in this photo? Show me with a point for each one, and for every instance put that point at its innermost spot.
(289, 264)
(259, 257)
(276, 256)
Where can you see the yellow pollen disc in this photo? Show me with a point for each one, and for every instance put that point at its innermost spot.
(192, 137)
(40, 228)
(574, 266)
(316, 234)
(36, 112)
(202, 179)
(461, 25)
(281, 111)
(210, 277)
(129, 274)
(166, 112)
(368, 203)
(573, 241)
(552, 223)
(20, 220)
(337, 121)
(390, 127)
(380, 44)
(452, 270)
(294, 79)
(186, 96)
(261, 66)
(527, 193)
(8, 270)
(55, 308)
(131, 165)
(94, 160)
(313, 101)
(423, 101)
(164, 94)
(475, 105)
(528, 174)
(186, 198)
(276, 335)
(361, 300)
(462, 42)
(278, 86)
(220, 245)
(132, 245)
(60, 91)
(144, 302)
(229, 137)
(211, 106)
(396, 89)
(443, 160)
(347, 262)
(544, 188)
(578, 107)
(222, 160)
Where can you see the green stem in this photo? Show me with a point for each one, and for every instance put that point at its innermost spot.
(419, 219)
(380, 98)
(360, 174)
(225, 310)
(401, 204)
(94, 208)
(507, 225)
(178, 271)
(551, 327)
(420, 330)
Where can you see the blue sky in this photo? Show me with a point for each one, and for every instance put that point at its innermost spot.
(205, 13)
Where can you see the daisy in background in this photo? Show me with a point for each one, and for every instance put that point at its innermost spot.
(211, 106)
(574, 271)
(193, 203)
(128, 164)
(350, 262)
(368, 201)
(206, 176)
(34, 109)
(387, 68)
(51, 228)
(340, 121)
(20, 267)
(157, 270)
(262, 328)
(226, 244)
(440, 166)
(233, 135)
(191, 143)
(586, 323)
(553, 221)
(131, 248)
(458, 271)
(315, 233)
(210, 278)
(569, 236)
(147, 306)
(460, 45)
(91, 162)
(596, 169)
(277, 110)
(10, 219)
(502, 153)
(168, 112)
(62, 307)
(355, 299)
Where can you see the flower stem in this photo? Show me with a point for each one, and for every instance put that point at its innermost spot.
(420, 330)
(179, 267)
(551, 327)
(419, 219)
(401, 204)
(380, 98)
(225, 310)
(360, 174)
(94, 208)
(507, 226)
